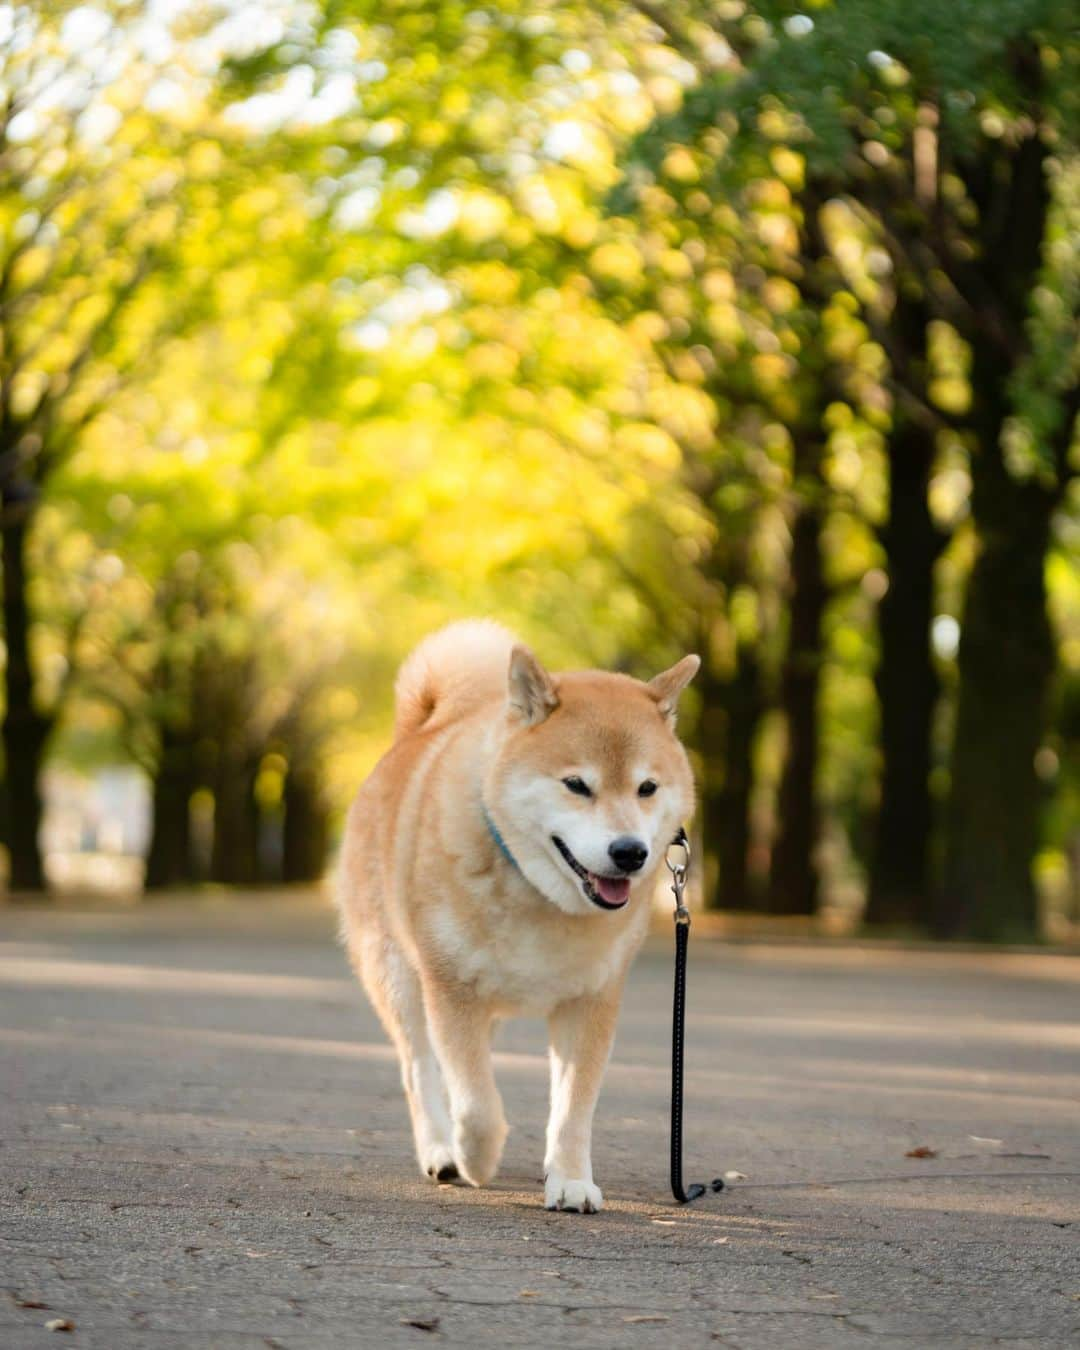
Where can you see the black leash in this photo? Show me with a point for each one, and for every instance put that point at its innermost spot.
(678, 1025)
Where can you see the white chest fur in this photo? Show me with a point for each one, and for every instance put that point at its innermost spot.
(528, 962)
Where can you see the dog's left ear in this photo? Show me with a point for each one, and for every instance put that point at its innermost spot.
(669, 684)
(532, 690)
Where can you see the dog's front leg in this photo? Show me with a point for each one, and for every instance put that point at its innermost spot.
(582, 1031)
(461, 1027)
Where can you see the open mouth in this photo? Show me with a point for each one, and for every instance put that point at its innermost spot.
(607, 892)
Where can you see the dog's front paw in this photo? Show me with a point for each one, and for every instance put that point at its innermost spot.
(478, 1144)
(567, 1193)
(437, 1162)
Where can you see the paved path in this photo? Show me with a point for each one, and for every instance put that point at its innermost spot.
(203, 1144)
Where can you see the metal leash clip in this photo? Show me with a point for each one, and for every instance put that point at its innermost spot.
(679, 870)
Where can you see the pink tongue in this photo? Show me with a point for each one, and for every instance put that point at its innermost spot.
(615, 890)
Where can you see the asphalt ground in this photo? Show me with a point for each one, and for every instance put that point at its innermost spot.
(203, 1143)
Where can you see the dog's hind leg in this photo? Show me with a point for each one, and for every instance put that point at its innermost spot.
(394, 990)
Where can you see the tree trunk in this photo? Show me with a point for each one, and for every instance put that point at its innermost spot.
(1006, 661)
(731, 714)
(169, 860)
(907, 685)
(26, 730)
(304, 837)
(793, 879)
(1006, 657)
(234, 859)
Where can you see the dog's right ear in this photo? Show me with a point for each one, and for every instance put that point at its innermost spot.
(669, 684)
(532, 691)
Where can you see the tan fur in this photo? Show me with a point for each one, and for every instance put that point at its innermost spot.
(448, 936)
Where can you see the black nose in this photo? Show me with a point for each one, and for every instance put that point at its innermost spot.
(627, 853)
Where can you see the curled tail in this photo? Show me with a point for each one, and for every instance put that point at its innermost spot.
(450, 673)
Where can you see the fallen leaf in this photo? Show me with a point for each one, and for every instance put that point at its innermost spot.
(28, 1303)
(921, 1152)
(646, 1317)
(60, 1324)
(421, 1323)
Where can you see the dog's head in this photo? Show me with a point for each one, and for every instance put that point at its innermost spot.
(590, 782)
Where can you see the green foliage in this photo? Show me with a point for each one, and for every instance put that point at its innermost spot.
(843, 77)
(319, 332)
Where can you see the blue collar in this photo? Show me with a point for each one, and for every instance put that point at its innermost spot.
(500, 842)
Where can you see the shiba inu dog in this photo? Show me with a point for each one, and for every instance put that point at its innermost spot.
(500, 859)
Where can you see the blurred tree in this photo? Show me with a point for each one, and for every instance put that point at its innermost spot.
(671, 277)
(958, 184)
(306, 819)
(95, 196)
(902, 887)
(1025, 381)
(174, 768)
(781, 343)
(133, 218)
(794, 881)
(939, 129)
(478, 173)
(444, 364)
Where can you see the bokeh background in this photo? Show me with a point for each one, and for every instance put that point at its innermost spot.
(743, 328)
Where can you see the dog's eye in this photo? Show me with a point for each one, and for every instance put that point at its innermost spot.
(578, 786)
(647, 788)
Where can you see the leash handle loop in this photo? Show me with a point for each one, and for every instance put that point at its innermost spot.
(679, 867)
